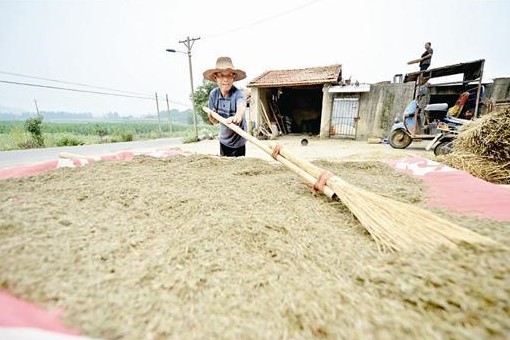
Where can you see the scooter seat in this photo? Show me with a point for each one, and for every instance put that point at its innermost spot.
(437, 107)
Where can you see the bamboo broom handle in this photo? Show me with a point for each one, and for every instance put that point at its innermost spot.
(310, 168)
(305, 175)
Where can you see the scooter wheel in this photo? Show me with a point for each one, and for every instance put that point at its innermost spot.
(399, 139)
(443, 148)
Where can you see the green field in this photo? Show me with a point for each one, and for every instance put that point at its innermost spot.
(14, 136)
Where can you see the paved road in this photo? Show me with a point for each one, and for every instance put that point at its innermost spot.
(24, 157)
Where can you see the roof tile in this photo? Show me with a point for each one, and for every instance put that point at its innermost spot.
(305, 76)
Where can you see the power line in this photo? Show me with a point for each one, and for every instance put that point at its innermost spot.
(258, 22)
(75, 90)
(71, 83)
(85, 91)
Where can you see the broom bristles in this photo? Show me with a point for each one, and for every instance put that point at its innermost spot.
(399, 226)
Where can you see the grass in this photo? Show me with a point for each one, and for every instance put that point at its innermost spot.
(13, 133)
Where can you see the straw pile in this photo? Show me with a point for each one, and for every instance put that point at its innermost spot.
(483, 148)
(204, 247)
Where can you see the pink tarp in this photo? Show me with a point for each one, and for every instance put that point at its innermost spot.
(77, 160)
(17, 313)
(456, 190)
(28, 170)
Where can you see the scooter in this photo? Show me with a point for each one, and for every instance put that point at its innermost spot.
(417, 124)
(423, 124)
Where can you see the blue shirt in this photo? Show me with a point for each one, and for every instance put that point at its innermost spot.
(227, 107)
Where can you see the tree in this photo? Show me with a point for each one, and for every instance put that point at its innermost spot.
(201, 97)
(34, 127)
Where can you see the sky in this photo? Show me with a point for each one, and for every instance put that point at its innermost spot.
(120, 45)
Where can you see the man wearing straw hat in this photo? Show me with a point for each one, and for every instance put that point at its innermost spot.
(230, 103)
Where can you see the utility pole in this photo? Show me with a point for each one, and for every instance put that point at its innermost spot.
(157, 108)
(189, 42)
(169, 118)
(36, 107)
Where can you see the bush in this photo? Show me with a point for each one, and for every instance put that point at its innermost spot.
(28, 144)
(190, 139)
(69, 141)
(126, 137)
(34, 127)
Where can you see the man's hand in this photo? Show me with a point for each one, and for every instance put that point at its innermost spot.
(237, 119)
(212, 119)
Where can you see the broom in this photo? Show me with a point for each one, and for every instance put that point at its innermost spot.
(394, 225)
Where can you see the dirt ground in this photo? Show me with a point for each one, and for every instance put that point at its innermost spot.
(315, 149)
(200, 246)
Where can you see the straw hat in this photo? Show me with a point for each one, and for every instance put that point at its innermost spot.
(224, 64)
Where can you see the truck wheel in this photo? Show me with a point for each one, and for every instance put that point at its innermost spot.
(443, 148)
(399, 139)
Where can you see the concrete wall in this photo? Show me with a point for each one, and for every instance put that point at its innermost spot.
(500, 89)
(379, 107)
